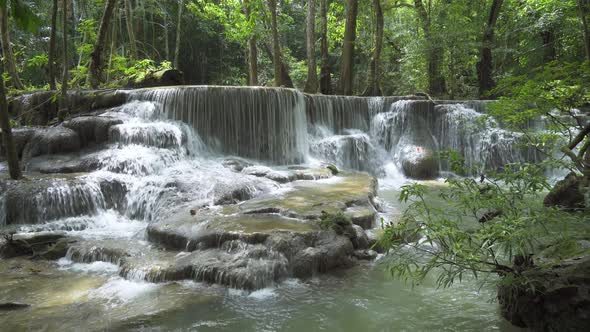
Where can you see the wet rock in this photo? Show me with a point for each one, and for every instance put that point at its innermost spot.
(360, 240)
(364, 255)
(42, 199)
(235, 164)
(55, 251)
(569, 193)
(20, 138)
(12, 306)
(52, 140)
(40, 108)
(233, 193)
(313, 174)
(419, 162)
(35, 245)
(363, 216)
(329, 251)
(92, 129)
(555, 299)
(63, 163)
(165, 77)
(267, 172)
(89, 252)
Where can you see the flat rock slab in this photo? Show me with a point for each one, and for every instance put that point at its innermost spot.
(351, 194)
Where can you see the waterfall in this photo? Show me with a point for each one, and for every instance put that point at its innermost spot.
(259, 123)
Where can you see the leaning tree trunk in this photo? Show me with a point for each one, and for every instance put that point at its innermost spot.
(311, 85)
(485, 64)
(325, 77)
(9, 148)
(436, 82)
(583, 9)
(63, 110)
(178, 31)
(347, 62)
(130, 32)
(374, 77)
(96, 57)
(276, 47)
(52, 46)
(252, 49)
(7, 48)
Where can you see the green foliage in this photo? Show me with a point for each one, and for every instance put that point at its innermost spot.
(38, 61)
(338, 222)
(478, 230)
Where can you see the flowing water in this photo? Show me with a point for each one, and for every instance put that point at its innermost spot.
(167, 155)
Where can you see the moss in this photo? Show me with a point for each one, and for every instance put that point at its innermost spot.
(333, 169)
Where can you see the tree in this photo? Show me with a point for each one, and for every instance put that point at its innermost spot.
(374, 76)
(347, 60)
(325, 76)
(311, 86)
(436, 82)
(252, 49)
(485, 64)
(130, 32)
(8, 54)
(9, 148)
(96, 57)
(276, 48)
(63, 107)
(178, 32)
(584, 10)
(24, 18)
(52, 46)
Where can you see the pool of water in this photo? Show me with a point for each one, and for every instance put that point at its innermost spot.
(92, 297)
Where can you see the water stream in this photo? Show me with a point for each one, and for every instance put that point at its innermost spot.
(169, 154)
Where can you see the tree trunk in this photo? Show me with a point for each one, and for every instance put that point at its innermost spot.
(130, 32)
(325, 77)
(96, 57)
(113, 42)
(252, 49)
(485, 64)
(549, 40)
(52, 46)
(276, 47)
(583, 9)
(374, 77)
(61, 114)
(166, 42)
(9, 148)
(347, 62)
(311, 86)
(436, 82)
(284, 70)
(178, 31)
(9, 60)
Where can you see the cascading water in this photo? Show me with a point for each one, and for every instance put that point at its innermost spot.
(165, 164)
(263, 124)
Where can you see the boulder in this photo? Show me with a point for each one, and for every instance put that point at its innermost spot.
(568, 194)
(52, 140)
(329, 251)
(419, 162)
(556, 298)
(165, 77)
(92, 129)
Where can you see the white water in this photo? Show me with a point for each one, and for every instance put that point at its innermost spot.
(165, 159)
